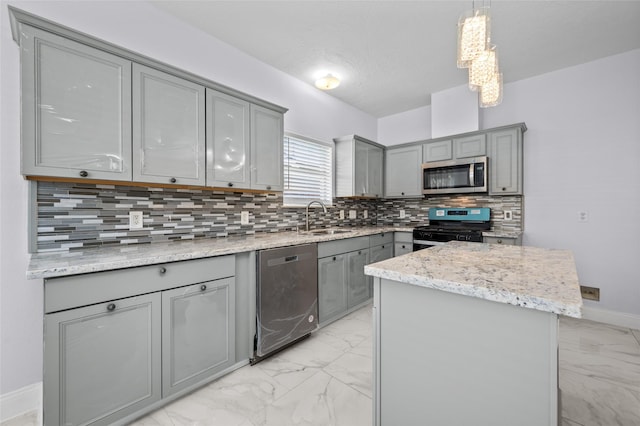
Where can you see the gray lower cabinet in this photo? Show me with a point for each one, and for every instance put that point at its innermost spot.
(119, 342)
(102, 362)
(342, 284)
(168, 128)
(402, 242)
(76, 109)
(402, 171)
(198, 339)
(358, 284)
(332, 287)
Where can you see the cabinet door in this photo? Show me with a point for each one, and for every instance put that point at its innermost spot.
(437, 151)
(198, 333)
(102, 362)
(505, 162)
(402, 248)
(332, 287)
(359, 286)
(76, 109)
(361, 169)
(375, 171)
(470, 146)
(168, 128)
(227, 141)
(380, 253)
(267, 137)
(402, 172)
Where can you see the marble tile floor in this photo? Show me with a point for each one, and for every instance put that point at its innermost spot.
(326, 380)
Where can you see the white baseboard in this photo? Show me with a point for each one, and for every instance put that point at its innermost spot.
(21, 401)
(611, 317)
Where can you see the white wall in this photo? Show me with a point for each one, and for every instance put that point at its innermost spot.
(142, 28)
(408, 126)
(581, 154)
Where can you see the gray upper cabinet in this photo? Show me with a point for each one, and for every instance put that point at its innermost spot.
(267, 134)
(437, 151)
(359, 167)
(168, 128)
(470, 146)
(76, 109)
(228, 141)
(505, 161)
(198, 333)
(102, 362)
(402, 171)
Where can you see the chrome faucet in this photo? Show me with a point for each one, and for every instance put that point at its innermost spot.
(311, 202)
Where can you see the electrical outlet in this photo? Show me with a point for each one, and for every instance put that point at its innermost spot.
(508, 215)
(402, 214)
(341, 214)
(590, 293)
(135, 220)
(583, 216)
(365, 214)
(353, 214)
(244, 218)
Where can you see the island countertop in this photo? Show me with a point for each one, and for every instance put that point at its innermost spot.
(530, 277)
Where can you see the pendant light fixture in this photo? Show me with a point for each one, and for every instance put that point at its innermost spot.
(476, 53)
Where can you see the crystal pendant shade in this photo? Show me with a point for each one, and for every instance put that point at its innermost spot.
(473, 35)
(491, 92)
(483, 68)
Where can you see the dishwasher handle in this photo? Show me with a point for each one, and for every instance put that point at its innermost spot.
(291, 258)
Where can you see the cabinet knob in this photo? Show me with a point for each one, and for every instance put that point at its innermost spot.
(230, 184)
(334, 258)
(203, 287)
(173, 180)
(163, 270)
(402, 193)
(269, 187)
(403, 246)
(499, 241)
(111, 307)
(382, 246)
(84, 173)
(504, 189)
(359, 252)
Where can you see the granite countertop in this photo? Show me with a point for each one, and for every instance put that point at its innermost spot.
(502, 234)
(530, 277)
(63, 263)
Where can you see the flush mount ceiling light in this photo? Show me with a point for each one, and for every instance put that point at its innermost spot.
(476, 53)
(327, 82)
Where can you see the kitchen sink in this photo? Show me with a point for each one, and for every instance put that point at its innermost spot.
(330, 231)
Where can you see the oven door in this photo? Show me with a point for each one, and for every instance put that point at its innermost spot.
(424, 244)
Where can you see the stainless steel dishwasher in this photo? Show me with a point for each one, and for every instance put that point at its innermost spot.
(287, 297)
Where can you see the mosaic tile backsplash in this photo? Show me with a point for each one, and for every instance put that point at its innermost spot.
(74, 216)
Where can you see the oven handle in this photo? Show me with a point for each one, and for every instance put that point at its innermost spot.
(428, 243)
(472, 180)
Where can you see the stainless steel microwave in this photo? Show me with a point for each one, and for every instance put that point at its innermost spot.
(455, 176)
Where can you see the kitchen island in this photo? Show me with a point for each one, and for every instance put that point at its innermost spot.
(467, 334)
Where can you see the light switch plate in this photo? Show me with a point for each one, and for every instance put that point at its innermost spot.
(508, 215)
(365, 214)
(244, 218)
(341, 214)
(353, 214)
(402, 214)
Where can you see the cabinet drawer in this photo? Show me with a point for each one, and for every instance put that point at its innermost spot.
(383, 238)
(331, 248)
(500, 240)
(402, 248)
(403, 237)
(80, 290)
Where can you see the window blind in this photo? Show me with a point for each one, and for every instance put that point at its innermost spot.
(308, 171)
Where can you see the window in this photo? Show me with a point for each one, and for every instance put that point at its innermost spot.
(308, 171)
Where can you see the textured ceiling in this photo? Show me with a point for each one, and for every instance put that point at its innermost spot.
(392, 55)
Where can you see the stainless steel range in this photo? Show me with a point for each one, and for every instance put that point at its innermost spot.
(452, 224)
